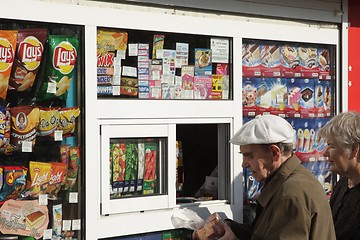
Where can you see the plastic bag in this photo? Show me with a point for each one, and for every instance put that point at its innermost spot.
(210, 229)
(187, 218)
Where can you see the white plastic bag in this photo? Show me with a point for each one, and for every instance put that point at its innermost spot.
(187, 218)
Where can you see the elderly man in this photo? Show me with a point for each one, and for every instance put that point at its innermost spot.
(292, 204)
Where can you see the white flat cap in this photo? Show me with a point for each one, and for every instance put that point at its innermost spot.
(264, 129)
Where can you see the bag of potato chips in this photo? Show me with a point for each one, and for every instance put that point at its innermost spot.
(30, 48)
(7, 56)
(60, 67)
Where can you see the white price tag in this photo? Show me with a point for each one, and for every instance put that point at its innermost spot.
(47, 234)
(73, 197)
(66, 225)
(51, 87)
(133, 49)
(76, 224)
(120, 54)
(26, 146)
(116, 90)
(58, 135)
(43, 199)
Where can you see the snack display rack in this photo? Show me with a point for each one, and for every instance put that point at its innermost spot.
(166, 91)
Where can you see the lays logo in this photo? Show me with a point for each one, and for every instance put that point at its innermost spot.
(6, 54)
(64, 57)
(30, 52)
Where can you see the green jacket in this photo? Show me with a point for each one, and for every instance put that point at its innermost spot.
(292, 206)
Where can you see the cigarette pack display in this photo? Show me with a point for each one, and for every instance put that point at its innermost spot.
(217, 86)
(251, 60)
(158, 43)
(187, 76)
(202, 87)
(167, 91)
(169, 57)
(182, 54)
(270, 61)
(131, 166)
(151, 158)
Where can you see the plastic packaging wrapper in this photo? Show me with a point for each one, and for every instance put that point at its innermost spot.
(187, 218)
(210, 229)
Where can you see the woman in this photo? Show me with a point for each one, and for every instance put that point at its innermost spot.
(342, 135)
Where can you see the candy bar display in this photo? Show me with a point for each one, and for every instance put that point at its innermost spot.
(39, 131)
(150, 65)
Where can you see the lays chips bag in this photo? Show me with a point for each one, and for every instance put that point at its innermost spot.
(60, 67)
(7, 56)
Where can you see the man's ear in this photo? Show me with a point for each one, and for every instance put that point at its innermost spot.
(275, 150)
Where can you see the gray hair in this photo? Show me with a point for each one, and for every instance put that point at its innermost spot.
(343, 128)
(285, 148)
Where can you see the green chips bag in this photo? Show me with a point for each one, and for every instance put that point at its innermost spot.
(59, 67)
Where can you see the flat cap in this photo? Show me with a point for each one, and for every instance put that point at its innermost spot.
(264, 129)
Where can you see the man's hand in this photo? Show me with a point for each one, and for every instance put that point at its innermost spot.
(229, 234)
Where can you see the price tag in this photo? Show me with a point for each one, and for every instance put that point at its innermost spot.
(58, 135)
(76, 224)
(66, 225)
(43, 199)
(73, 197)
(47, 234)
(26, 146)
(116, 90)
(51, 87)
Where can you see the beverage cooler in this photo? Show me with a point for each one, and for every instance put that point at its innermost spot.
(41, 143)
(296, 81)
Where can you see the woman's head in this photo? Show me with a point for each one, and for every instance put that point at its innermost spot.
(342, 136)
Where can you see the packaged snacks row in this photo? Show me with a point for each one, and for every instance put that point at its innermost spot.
(160, 73)
(133, 168)
(24, 51)
(28, 182)
(287, 97)
(285, 60)
(22, 124)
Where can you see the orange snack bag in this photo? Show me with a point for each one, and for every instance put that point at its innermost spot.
(7, 56)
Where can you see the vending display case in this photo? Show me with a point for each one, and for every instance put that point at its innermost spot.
(162, 65)
(41, 121)
(296, 81)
